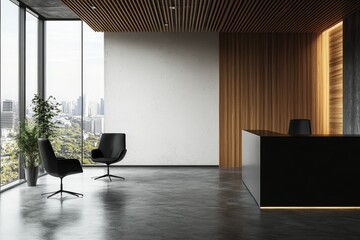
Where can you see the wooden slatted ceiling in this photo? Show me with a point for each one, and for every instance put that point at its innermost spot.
(212, 15)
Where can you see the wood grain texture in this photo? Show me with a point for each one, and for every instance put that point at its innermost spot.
(266, 79)
(211, 15)
(336, 79)
(320, 83)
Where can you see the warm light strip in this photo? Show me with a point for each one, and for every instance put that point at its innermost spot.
(335, 26)
(310, 208)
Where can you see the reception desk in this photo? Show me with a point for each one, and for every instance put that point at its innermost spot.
(301, 171)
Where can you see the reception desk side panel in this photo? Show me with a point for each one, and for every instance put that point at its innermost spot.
(310, 171)
(251, 163)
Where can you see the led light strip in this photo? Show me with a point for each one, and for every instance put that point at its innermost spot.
(310, 208)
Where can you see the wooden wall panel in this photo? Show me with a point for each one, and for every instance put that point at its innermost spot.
(266, 79)
(336, 79)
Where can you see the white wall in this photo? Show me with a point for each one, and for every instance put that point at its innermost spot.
(162, 90)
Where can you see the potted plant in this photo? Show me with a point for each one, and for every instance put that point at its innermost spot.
(42, 125)
(26, 141)
(44, 112)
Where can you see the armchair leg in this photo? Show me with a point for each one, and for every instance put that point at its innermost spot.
(48, 193)
(105, 175)
(73, 193)
(108, 175)
(116, 176)
(63, 191)
(52, 193)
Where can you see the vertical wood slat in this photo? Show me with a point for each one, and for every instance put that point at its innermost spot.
(266, 79)
(320, 91)
(336, 80)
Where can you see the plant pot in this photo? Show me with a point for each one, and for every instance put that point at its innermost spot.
(31, 175)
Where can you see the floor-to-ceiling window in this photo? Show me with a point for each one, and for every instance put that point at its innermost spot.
(9, 90)
(31, 61)
(74, 72)
(75, 77)
(93, 85)
(63, 81)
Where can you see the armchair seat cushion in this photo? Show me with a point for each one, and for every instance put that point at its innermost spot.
(68, 167)
(105, 160)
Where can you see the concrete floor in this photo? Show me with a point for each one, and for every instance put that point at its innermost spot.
(160, 203)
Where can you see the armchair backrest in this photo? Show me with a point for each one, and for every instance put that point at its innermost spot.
(112, 145)
(299, 127)
(47, 155)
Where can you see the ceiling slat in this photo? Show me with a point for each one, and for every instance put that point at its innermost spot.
(228, 22)
(117, 13)
(152, 16)
(221, 12)
(166, 15)
(128, 21)
(200, 15)
(194, 9)
(103, 10)
(211, 16)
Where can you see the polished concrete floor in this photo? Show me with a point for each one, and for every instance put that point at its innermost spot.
(160, 203)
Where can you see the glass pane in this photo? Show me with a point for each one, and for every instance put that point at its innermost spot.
(31, 61)
(63, 81)
(93, 47)
(9, 90)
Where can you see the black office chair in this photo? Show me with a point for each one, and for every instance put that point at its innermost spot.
(300, 127)
(112, 149)
(58, 167)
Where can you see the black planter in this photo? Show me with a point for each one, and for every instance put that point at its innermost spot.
(31, 175)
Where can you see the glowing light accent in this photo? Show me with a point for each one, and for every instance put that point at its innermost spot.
(311, 208)
(335, 26)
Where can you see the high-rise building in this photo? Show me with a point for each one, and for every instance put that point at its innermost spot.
(98, 125)
(85, 106)
(101, 109)
(64, 107)
(93, 109)
(7, 119)
(88, 125)
(8, 114)
(8, 106)
(77, 109)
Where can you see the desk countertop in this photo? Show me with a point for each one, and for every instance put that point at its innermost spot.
(267, 133)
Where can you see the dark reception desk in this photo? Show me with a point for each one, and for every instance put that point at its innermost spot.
(301, 171)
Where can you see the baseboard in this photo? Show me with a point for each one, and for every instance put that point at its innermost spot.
(11, 185)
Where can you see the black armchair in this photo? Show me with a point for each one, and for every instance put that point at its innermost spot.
(58, 167)
(300, 127)
(112, 149)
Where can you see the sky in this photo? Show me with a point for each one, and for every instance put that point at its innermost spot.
(63, 58)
